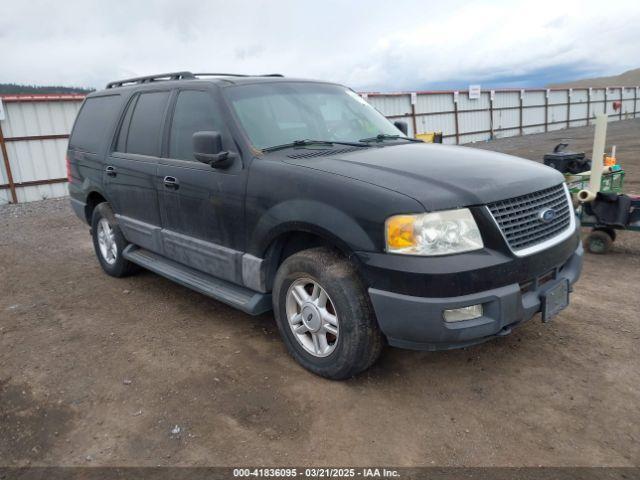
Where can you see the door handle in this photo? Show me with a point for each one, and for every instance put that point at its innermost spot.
(111, 171)
(171, 182)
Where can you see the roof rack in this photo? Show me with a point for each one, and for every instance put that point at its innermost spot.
(151, 78)
(236, 75)
(180, 76)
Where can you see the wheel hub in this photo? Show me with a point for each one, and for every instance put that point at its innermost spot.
(311, 317)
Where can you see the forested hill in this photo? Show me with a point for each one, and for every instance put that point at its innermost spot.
(14, 88)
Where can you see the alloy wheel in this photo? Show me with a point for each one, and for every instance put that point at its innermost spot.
(312, 317)
(107, 242)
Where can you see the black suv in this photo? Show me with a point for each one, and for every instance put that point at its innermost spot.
(266, 192)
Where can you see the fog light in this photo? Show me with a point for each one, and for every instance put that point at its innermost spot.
(464, 313)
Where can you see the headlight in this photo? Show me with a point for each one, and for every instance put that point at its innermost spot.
(436, 233)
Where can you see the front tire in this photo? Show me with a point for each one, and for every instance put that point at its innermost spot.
(324, 314)
(109, 242)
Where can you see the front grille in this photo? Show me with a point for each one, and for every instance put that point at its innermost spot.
(519, 217)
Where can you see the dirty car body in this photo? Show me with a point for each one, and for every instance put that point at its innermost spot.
(299, 171)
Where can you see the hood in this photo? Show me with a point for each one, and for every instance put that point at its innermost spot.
(439, 176)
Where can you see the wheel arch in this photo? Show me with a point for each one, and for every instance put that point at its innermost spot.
(94, 198)
(294, 238)
(297, 224)
(309, 216)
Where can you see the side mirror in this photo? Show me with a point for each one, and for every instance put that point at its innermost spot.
(402, 126)
(207, 148)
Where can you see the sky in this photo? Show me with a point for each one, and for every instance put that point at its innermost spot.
(368, 45)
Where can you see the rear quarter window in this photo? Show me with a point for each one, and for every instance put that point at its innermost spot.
(94, 122)
(145, 127)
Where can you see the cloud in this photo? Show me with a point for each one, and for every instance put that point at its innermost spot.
(370, 45)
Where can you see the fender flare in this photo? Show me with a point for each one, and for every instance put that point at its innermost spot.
(309, 216)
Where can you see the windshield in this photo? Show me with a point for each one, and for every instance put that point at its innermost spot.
(275, 114)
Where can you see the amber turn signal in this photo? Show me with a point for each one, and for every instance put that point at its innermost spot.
(400, 231)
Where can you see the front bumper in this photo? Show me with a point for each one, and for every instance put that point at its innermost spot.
(417, 322)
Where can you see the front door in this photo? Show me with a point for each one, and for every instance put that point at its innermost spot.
(202, 207)
(131, 169)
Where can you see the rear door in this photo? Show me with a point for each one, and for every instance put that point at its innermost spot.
(202, 207)
(91, 134)
(131, 169)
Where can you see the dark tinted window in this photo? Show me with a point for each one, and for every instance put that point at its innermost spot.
(195, 112)
(94, 121)
(146, 122)
(121, 145)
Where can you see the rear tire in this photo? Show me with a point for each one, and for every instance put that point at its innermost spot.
(109, 242)
(324, 314)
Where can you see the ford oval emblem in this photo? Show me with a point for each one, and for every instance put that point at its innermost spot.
(547, 215)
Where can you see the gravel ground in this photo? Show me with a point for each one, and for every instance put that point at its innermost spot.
(140, 371)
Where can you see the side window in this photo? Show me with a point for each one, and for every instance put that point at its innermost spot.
(195, 111)
(145, 127)
(121, 144)
(94, 121)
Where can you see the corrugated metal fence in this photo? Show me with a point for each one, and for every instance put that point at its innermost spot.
(34, 132)
(33, 141)
(504, 113)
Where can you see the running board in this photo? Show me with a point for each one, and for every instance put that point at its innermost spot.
(242, 298)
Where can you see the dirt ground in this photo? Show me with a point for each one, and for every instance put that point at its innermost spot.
(141, 371)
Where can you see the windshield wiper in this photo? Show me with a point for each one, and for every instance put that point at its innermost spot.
(307, 142)
(381, 137)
